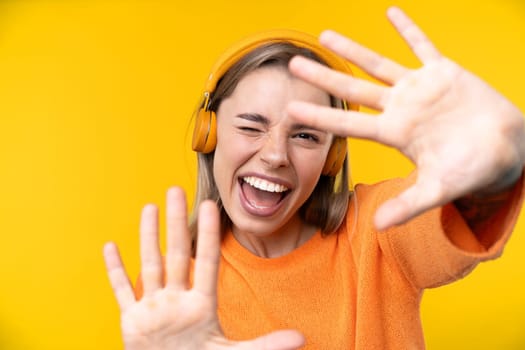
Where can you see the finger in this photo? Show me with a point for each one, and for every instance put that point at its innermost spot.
(279, 340)
(178, 240)
(420, 197)
(118, 278)
(413, 35)
(337, 121)
(351, 89)
(151, 261)
(208, 250)
(371, 62)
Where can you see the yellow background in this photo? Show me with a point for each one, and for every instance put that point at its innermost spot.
(95, 100)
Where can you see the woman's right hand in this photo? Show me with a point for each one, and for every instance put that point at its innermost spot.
(171, 315)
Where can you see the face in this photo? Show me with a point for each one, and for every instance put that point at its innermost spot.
(265, 164)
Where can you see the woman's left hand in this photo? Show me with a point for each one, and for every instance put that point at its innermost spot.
(463, 136)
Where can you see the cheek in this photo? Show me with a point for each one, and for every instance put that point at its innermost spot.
(230, 154)
(309, 165)
(233, 148)
(231, 151)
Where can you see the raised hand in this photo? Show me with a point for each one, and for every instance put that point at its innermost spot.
(172, 315)
(463, 136)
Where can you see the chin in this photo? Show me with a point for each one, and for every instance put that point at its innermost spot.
(258, 228)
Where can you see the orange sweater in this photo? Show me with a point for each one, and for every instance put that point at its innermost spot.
(357, 288)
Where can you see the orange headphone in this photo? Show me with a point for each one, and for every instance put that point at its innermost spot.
(205, 131)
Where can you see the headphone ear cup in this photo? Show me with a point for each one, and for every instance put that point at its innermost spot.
(335, 158)
(205, 132)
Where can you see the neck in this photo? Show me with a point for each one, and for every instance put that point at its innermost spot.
(275, 244)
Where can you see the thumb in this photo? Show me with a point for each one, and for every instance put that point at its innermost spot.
(418, 198)
(279, 340)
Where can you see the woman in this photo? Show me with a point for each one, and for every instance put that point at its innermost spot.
(294, 252)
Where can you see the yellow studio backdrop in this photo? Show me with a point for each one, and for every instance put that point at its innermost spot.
(95, 103)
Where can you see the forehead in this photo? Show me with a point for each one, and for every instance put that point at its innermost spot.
(275, 86)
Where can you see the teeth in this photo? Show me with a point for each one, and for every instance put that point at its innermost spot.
(264, 185)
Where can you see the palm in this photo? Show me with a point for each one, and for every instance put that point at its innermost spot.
(423, 119)
(159, 314)
(461, 134)
(171, 314)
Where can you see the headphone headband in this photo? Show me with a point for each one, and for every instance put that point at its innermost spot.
(235, 52)
(205, 131)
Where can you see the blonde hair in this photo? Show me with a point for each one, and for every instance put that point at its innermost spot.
(327, 205)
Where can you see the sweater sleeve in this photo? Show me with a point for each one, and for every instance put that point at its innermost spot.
(438, 247)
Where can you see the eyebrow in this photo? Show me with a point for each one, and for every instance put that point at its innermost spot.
(258, 118)
(254, 117)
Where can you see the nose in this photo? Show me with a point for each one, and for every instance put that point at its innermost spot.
(274, 152)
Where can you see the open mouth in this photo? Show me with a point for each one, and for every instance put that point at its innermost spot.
(261, 193)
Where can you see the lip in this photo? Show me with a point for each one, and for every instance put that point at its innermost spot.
(258, 211)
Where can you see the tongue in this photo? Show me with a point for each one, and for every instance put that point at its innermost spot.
(261, 199)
